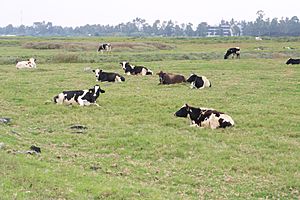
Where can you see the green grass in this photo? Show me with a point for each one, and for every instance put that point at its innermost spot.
(133, 147)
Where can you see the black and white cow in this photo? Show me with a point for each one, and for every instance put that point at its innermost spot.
(205, 117)
(234, 51)
(108, 76)
(104, 47)
(135, 70)
(81, 97)
(293, 61)
(198, 82)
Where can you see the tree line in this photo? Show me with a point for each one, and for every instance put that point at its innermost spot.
(139, 27)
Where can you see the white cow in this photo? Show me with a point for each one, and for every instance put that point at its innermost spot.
(30, 63)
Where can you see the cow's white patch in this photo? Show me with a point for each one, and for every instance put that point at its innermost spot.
(206, 82)
(26, 64)
(97, 72)
(123, 65)
(144, 71)
(118, 79)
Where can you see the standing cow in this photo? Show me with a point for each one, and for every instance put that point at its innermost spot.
(30, 63)
(104, 47)
(81, 97)
(234, 51)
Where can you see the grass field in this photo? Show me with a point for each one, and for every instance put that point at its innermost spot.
(133, 147)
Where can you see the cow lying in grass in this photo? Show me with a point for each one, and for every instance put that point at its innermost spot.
(293, 61)
(108, 76)
(81, 97)
(198, 82)
(135, 70)
(30, 63)
(205, 117)
(169, 78)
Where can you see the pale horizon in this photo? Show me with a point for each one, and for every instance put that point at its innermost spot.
(69, 13)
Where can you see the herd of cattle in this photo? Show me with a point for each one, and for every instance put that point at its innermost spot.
(200, 117)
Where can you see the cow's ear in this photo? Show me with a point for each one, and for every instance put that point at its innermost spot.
(93, 70)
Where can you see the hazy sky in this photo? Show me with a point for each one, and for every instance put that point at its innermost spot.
(78, 12)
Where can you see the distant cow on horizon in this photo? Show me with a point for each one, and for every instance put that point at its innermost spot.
(104, 47)
(234, 51)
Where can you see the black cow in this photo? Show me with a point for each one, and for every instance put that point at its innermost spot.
(81, 97)
(293, 61)
(205, 117)
(104, 47)
(135, 70)
(169, 78)
(234, 51)
(108, 76)
(198, 81)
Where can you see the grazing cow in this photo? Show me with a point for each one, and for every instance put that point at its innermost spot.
(205, 117)
(108, 76)
(81, 97)
(30, 63)
(168, 78)
(234, 51)
(293, 61)
(135, 70)
(104, 47)
(198, 82)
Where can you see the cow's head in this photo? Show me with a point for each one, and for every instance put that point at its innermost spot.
(97, 73)
(161, 75)
(182, 112)
(289, 61)
(32, 60)
(192, 78)
(189, 111)
(96, 91)
(124, 64)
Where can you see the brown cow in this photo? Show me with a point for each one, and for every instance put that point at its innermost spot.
(168, 78)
